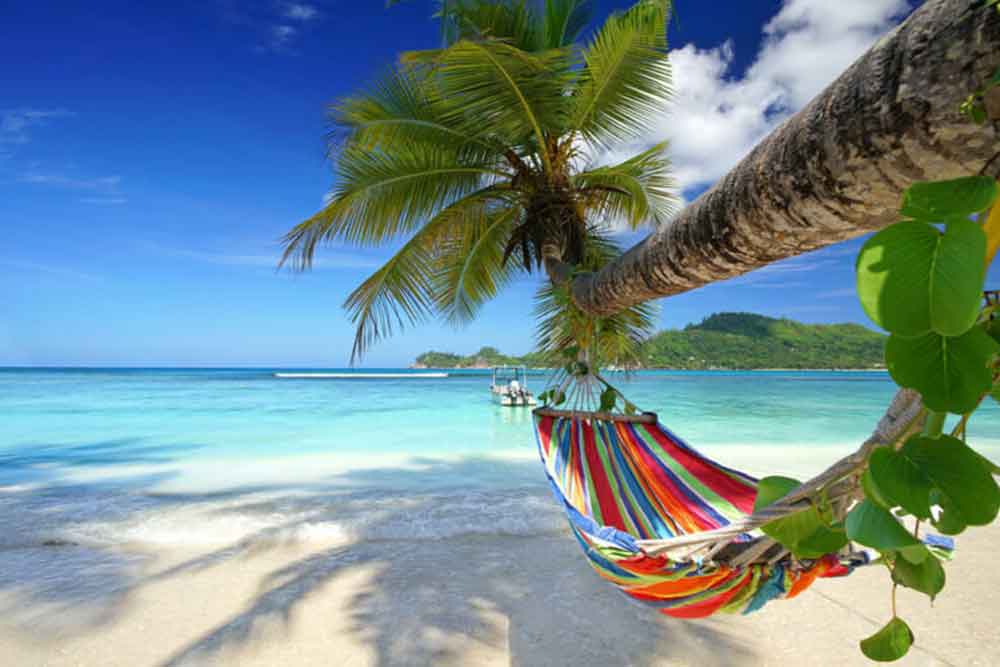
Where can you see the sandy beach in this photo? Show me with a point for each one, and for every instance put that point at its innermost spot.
(280, 597)
(471, 601)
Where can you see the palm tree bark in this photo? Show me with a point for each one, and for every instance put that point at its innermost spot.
(833, 171)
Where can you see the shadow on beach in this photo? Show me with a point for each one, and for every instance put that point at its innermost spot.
(462, 599)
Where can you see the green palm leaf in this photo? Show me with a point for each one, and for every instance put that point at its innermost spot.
(615, 339)
(637, 190)
(564, 21)
(396, 111)
(519, 96)
(472, 268)
(400, 293)
(626, 79)
(382, 195)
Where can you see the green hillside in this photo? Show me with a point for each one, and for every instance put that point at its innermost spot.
(724, 340)
(745, 340)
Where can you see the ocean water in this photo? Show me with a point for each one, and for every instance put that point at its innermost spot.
(221, 457)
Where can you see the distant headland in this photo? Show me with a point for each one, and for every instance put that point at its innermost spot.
(729, 341)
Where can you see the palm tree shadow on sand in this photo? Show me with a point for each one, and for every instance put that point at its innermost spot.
(468, 599)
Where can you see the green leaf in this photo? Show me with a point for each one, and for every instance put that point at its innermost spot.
(935, 201)
(991, 468)
(821, 542)
(959, 473)
(912, 279)
(872, 492)
(949, 519)
(890, 643)
(951, 373)
(772, 489)
(559, 397)
(625, 77)
(915, 553)
(804, 533)
(875, 527)
(992, 327)
(630, 409)
(900, 482)
(608, 398)
(926, 577)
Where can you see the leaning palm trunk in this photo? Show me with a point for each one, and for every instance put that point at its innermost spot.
(834, 171)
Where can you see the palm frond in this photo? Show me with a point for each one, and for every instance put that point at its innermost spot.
(402, 291)
(615, 339)
(519, 96)
(564, 21)
(397, 110)
(512, 21)
(381, 195)
(638, 190)
(472, 268)
(626, 78)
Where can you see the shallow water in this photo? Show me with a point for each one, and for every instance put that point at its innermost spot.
(220, 456)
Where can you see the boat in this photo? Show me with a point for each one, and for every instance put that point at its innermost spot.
(358, 376)
(509, 387)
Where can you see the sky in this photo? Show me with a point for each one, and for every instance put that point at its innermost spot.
(153, 154)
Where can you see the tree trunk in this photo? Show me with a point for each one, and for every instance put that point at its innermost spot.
(833, 171)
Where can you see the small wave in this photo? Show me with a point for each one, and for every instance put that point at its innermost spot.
(101, 518)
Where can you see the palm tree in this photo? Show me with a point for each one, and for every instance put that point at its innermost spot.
(480, 158)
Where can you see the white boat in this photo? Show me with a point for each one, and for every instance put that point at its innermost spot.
(509, 387)
(358, 376)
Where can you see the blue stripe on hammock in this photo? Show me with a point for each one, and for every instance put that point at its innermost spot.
(689, 493)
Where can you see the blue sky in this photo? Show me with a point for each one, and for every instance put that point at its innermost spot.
(151, 154)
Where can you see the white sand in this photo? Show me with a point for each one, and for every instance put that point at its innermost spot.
(290, 599)
(471, 601)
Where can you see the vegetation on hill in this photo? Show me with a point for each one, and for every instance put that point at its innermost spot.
(745, 340)
(484, 358)
(723, 340)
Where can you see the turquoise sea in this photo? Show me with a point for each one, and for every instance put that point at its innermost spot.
(178, 456)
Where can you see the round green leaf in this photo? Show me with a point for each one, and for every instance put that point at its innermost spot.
(951, 373)
(890, 643)
(900, 482)
(875, 527)
(926, 577)
(773, 488)
(821, 542)
(949, 520)
(959, 474)
(936, 201)
(872, 492)
(805, 534)
(913, 279)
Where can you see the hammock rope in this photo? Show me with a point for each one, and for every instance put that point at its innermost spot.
(674, 529)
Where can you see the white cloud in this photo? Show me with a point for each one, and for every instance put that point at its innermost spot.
(344, 259)
(104, 201)
(107, 184)
(300, 11)
(281, 35)
(715, 118)
(15, 123)
(47, 269)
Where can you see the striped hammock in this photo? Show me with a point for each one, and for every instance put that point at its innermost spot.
(622, 481)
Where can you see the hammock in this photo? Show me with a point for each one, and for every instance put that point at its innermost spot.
(627, 483)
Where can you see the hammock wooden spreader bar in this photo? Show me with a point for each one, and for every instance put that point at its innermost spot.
(676, 530)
